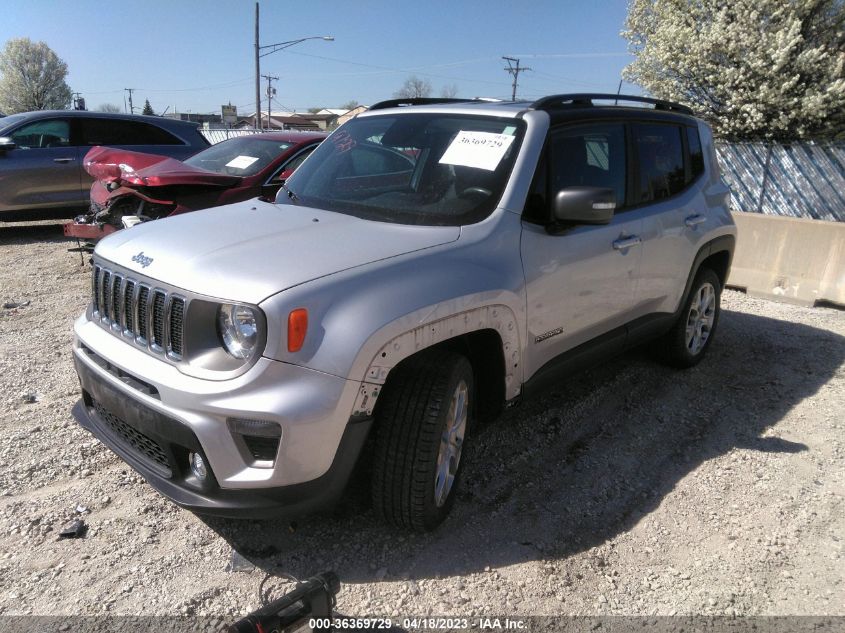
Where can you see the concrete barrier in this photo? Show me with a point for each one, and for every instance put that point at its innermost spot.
(789, 259)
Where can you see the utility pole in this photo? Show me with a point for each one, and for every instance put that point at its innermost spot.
(514, 69)
(131, 107)
(257, 74)
(78, 101)
(270, 92)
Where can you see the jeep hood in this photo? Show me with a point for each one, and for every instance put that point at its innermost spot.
(149, 170)
(251, 250)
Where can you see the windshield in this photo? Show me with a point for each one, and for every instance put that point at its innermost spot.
(8, 121)
(420, 168)
(242, 156)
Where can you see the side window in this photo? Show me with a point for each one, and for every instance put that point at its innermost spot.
(295, 162)
(120, 132)
(696, 154)
(661, 161)
(41, 134)
(589, 156)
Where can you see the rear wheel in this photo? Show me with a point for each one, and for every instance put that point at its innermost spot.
(421, 425)
(687, 342)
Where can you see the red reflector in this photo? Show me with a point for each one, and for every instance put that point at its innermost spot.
(297, 328)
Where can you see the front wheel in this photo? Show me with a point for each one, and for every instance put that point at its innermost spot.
(421, 425)
(687, 342)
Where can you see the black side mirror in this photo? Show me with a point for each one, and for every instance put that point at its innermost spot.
(6, 143)
(584, 205)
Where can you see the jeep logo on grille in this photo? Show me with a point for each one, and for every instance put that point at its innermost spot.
(142, 259)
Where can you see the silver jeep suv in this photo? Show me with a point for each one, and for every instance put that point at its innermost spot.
(429, 263)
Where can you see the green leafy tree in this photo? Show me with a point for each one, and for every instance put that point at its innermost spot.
(413, 87)
(755, 69)
(32, 77)
(148, 109)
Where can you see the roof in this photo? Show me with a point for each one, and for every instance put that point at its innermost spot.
(559, 107)
(333, 111)
(81, 114)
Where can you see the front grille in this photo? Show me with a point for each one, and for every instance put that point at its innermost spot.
(158, 318)
(143, 298)
(177, 312)
(144, 446)
(151, 317)
(129, 308)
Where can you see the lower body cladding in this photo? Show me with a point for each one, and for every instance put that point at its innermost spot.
(275, 441)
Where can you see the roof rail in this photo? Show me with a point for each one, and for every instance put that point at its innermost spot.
(395, 103)
(586, 100)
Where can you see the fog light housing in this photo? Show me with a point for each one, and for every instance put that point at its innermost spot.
(198, 467)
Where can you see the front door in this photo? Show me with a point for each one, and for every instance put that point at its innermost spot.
(43, 171)
(580, 282)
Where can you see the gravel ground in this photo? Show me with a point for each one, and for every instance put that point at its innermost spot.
(633, 489)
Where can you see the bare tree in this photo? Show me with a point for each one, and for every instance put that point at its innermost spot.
(33, 78)
(449, 91)
(413, 87)
(349, 105)
(108, 107)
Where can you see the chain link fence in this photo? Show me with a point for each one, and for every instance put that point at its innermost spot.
(805, 180)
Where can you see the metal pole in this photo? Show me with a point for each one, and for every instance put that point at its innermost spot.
(257, 121)
(765, 178)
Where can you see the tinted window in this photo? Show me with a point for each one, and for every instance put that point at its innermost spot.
(120, 132)
(696, 155)
(589, 156)
(49, 133)
(661, 161)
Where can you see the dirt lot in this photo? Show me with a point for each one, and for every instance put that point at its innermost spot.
(633, 489)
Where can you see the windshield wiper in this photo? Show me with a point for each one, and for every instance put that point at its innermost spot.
(290, 193)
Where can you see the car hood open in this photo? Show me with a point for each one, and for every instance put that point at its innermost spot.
(149, 170)
(251, 250)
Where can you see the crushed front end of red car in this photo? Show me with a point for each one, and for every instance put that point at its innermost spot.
(133, 187)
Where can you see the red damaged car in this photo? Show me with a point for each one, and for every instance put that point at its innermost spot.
(132, 187)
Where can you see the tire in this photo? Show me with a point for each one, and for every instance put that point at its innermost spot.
(424, 398)
(687, 342)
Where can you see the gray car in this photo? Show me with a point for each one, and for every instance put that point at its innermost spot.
(41, 153)
(428, 264)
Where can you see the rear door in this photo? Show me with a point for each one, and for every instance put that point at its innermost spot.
(43, 171)
(581, 280)
(668, 194)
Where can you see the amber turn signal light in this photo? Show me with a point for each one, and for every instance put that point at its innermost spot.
(297, 328)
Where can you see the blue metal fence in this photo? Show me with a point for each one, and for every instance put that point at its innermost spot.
(805, 180)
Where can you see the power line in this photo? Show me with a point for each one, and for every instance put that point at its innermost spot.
(514, 70)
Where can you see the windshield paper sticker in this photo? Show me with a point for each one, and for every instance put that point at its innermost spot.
(483, 150)
(241, 162)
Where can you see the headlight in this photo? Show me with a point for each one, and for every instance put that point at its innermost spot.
(237, 326)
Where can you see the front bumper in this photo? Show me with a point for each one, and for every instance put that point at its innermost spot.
(183, 489)
(153, 416)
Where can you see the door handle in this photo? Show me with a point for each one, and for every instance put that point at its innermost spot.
(695, 220)
(627, 242)
(63, 160)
